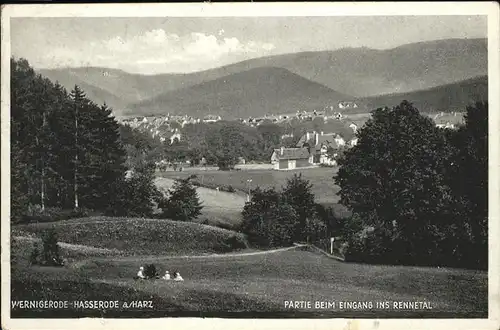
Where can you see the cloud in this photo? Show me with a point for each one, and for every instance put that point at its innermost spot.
(168, 51)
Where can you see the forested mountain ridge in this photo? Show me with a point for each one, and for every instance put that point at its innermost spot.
(360, 72)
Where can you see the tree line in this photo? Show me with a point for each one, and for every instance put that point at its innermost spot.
(69, 156)
(65, 149)
(223, 143)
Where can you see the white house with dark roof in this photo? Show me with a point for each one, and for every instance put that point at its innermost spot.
(291, 158)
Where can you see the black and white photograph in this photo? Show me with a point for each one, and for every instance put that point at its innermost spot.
(180, 163)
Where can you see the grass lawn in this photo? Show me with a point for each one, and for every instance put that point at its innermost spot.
(237, 285)
(133, 236)
(321, 178)
(261, 284)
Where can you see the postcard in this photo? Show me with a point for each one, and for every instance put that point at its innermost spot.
(250, 165)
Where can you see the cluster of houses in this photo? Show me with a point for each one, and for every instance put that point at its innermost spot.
(327, 113)
(157, 121)
(166, 127)
(300, 116)
(313, 149)
(448, 120)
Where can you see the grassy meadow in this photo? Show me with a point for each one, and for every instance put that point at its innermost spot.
(134, 236)
(240, 284)
(321, 179)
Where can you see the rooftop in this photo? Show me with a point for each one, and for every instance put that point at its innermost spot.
(292, 153)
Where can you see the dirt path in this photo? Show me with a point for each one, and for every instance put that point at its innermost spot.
(203, 256)
(87, 248)
(214, 255)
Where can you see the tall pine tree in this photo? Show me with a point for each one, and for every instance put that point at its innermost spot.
(66, 150)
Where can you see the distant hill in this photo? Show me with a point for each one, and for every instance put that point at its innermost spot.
(255, 92)
(368, 72)
(446, 98)
(358, 72)
(118, 88)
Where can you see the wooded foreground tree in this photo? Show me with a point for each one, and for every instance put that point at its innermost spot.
(67, 150)
(182, 203)
(279, 218)
(297, 192)
(419, 194)
(136, 194)
(268, 220)
(395, 181)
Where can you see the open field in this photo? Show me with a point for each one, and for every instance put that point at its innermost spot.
(254, 285)
(219, 207)
(321, 178)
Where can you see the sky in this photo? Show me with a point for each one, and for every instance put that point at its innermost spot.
(182, 45)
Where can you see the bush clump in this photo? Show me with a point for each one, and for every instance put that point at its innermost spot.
(150, 271)
(50, 253)
(50, 214)
(233, 243)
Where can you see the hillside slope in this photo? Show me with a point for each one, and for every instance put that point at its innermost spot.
(133, 236)
(446, 98)
(68, 79)
(251, 93)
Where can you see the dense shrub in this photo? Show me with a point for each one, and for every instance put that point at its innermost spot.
(219, 224)
(50, 254)
(223, 225)
(35, 214)
(150, 271)
(268, 219)
(233, 243)
(35, 257)
(278, 218)
(371, 246)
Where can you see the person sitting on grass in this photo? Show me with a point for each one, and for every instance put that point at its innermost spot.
(178, 277)
(166, 276)
(140, 274)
